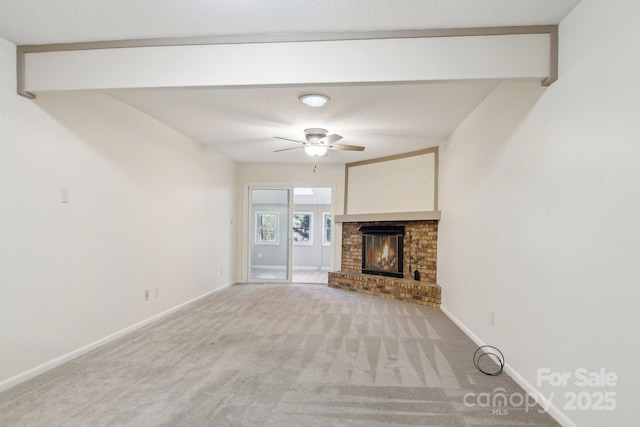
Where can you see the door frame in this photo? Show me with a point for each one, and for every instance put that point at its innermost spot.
(244, 212)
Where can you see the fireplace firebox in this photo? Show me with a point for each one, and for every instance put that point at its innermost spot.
(382, 250)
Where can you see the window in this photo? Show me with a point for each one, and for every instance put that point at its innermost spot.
(326, 228)
(266, 228)
(303, 228)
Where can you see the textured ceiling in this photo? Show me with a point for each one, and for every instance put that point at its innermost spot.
(57, 21)
(241, 122)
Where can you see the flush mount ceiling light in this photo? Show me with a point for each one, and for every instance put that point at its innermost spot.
(314, 99)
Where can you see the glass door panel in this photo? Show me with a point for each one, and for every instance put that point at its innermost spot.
(270, 225)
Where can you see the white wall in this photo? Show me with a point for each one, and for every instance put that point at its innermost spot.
(149, 208)
(540, 215)
(287, 175)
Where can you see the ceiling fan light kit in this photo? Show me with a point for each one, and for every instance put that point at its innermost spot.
(315, 150)
(314, 99)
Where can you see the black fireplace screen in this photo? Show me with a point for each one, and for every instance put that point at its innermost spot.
(382, 250)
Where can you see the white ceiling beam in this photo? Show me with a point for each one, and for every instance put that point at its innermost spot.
(437, 55)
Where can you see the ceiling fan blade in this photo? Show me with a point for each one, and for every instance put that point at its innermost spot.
(287, 139)
(287, 149)
(330, 139)
(344, 147)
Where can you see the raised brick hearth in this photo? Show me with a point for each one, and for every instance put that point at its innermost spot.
(420, 252)
(387, 287)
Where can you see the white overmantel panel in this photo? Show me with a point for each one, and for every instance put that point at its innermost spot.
(353, 61)
(399, 185)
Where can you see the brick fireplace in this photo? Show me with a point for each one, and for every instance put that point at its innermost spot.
(420, 243)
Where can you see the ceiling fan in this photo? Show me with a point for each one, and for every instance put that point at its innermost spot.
(318, 142)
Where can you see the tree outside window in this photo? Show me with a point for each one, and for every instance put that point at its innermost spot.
(303, 228)
(266, 228)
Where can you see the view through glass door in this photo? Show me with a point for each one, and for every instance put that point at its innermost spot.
(311, 226)
(270, 230)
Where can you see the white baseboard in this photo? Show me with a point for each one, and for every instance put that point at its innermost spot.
(552, 410)
(462, 326)
(270, 267)
(294, 268)
(47, 366)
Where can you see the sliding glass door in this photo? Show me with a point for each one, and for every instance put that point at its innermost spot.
(270, 243)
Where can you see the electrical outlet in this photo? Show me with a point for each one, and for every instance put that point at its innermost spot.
(492, 318)
(146, 294)
(221, 271)
(156, 292)
(64, 195)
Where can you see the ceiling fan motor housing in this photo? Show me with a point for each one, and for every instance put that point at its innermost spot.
(314, 134)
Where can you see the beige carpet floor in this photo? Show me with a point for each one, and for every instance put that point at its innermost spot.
(275, 355)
